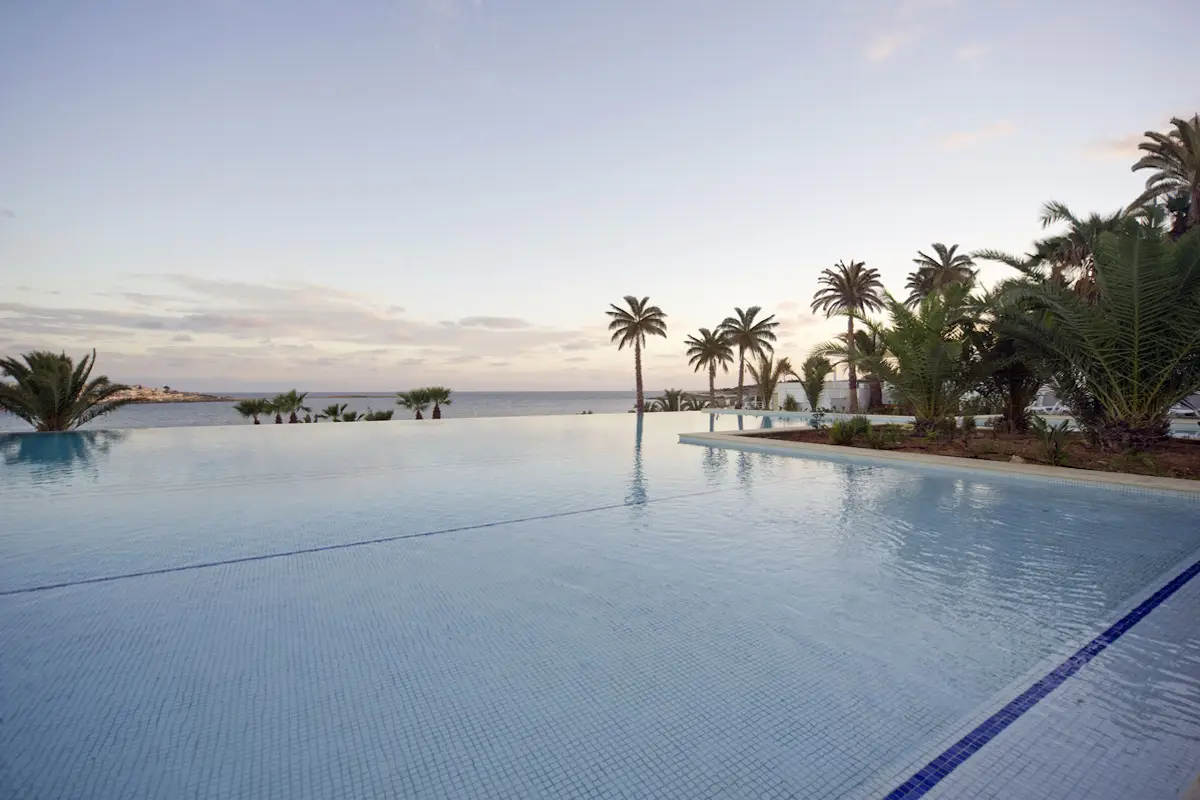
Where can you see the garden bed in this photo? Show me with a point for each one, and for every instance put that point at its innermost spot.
(1176, 458)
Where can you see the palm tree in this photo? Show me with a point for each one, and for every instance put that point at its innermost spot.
(1012, 374)
(675, 400)
(415, 401)
(936, 273)
(867, 350)
(767, 374)
(253, 407)
(291, 403)
(377, 416)
(440, 396)
(812, 378)
(750, 337)
(1120, 363)
(353, 416)
(53, 393)
(278, 406)
(1064, 258)
(333, 412)
(709, 351)
(1175, 159)
(928, 360)
(631, 326)
(851, 289)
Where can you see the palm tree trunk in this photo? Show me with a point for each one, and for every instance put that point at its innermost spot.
(256, 422)
(278, 418)
(741, 374)
(850, 363)
(712, 384)
(437, 411)
(876, 393)
(637, 375)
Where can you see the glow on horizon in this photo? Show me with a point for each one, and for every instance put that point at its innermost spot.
(402, 192)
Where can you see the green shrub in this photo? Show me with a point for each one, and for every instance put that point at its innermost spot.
(841, 432)
(883, 437)
(968, 427)
(817, 420)
(789, 403)
(860, 424)
(1053, 439)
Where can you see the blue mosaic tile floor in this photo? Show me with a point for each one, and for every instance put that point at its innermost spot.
(555, 607)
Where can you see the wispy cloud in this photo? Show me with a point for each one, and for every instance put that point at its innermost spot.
(495, 323)
(1123, 148)
(962, 140)
(910, 8)
(970, 52)
(885, 45)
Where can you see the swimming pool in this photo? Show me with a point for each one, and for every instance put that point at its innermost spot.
(554, 607)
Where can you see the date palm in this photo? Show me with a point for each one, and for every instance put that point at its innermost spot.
(53, 393)
(851, 289)
(439, 396)
(333, 412)
(675, 400)
(925, 356)
(767, 374)
(253, 407)
(812, 378)
(750, 336)
(709, 351)
(1175, 158)
(934, 273)
(630, 327)
(416, 401)
(1121, 361)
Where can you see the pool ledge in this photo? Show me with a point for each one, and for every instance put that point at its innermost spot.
(756, 441)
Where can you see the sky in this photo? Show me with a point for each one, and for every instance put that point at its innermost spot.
(258, 194)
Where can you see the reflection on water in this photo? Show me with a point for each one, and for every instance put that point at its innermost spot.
(637, 481)
(53, 453)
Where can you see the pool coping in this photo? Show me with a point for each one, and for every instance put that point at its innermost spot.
(754, 440)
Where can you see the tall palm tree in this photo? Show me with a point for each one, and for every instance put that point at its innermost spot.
(767, 374)
(415, 401)
(253, 407)
(709, 351)
(749, 337)
(1064, 258)
(850, 289)
(934, 273)
(333, 412)
(1175, 159)
(631, 326)
(439, 396)
(53, 393)
(812, 378)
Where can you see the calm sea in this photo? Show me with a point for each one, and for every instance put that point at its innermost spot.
(466, 404)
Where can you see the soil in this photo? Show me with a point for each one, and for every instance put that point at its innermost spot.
(1175, 458)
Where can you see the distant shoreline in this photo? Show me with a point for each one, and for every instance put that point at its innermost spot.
(141, 394)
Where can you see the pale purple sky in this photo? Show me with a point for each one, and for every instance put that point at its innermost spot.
(385, 193)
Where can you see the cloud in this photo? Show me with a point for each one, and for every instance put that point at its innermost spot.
(394, 310)
(965, 139)
(495, 323)
(579, 344)
(885, 45)
(1118, 148)
(575, 359)
(788, 305)
(970, 52)
(182, 337)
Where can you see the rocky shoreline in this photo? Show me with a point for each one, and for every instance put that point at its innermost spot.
(142, 394)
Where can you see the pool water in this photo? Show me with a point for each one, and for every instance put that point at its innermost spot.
(526, 607)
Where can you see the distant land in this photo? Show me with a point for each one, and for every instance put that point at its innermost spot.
(143, 394)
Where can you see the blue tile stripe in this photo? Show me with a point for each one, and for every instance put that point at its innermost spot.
(932, 773)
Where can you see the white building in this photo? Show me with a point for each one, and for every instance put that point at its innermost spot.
(835, 396)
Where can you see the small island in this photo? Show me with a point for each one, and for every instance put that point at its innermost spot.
(146, 394)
